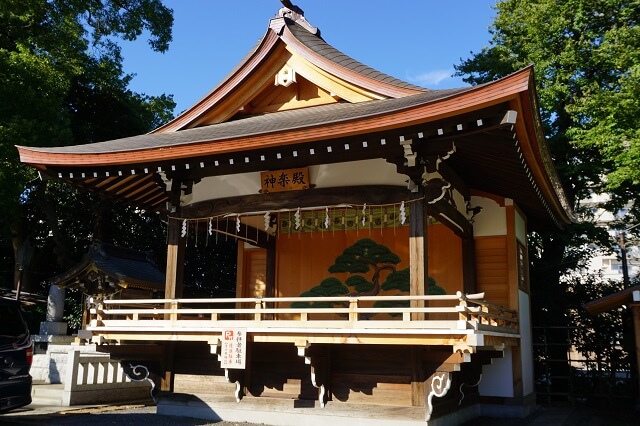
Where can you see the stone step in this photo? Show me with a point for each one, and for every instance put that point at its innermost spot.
(47, 394)
(46, 401)
(47, 389)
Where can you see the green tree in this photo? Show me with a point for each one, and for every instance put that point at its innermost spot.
(62, 83)
(586, 56)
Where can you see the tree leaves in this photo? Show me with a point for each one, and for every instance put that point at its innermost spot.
(586, 56)
(62, 83)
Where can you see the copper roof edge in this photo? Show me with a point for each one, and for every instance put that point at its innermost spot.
(545, 154)
(43, 156)
(611, 301)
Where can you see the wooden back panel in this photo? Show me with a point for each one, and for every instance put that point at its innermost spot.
(492, 269)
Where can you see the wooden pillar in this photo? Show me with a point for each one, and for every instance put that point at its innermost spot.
(270, 290)
(417, 377)
(172, 290)
(469, 265)
(167, 378)
(175, 260)
(418, 263)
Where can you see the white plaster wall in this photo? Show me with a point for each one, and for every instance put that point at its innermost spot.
(492, 220)
(526, 342)
(521, 228)
(497, 377)
(365, 172)
(225, 186)
(461, 204)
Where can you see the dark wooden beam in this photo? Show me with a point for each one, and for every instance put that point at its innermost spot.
(370, 194)
(451, 176)
(450, 217)
(248, 233)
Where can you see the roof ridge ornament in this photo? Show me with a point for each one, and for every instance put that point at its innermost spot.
(296, 14)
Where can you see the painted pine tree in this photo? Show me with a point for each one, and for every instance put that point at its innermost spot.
(365, 263)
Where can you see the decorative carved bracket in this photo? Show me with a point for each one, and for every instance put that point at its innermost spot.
(235, 376)
(232, 376)
(437, 385)
(433, 162)
(317, 377)
(139, 373)
(439, 189)
(469, 386)
(409, 154)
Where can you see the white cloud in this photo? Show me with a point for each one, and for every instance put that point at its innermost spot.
(431, 78)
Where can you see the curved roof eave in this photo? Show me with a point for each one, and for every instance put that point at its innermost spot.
(296, 126)
(329, 121)
(542, 156)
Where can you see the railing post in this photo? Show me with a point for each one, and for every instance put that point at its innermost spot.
(462, 307)
(99, 314)
(257, 316)
(485, 319)
(173, 316)
(353, 309)
(463, 316)
(73, 364)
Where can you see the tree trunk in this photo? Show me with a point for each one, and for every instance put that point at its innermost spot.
(18, 238)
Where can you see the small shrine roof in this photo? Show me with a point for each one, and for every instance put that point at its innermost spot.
(123, 266)
(623, 297)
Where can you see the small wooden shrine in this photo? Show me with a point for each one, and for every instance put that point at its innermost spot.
(107, 270)
(381, 227)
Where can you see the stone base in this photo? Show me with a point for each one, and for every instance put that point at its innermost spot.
(50, 358)
(53, 339)
(53, 328)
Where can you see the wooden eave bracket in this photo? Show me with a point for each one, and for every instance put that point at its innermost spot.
(409, 154)
(510, 117)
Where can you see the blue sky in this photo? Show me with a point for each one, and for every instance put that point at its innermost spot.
(413, 40)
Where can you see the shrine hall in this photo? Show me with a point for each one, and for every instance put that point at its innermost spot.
(381, 233)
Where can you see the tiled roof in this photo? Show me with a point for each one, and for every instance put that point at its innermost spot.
(322, 48)
(268, 123)
(122, 264)
(126, 263)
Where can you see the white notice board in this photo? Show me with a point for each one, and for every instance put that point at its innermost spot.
(234, 348)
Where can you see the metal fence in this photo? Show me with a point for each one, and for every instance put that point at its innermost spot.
(567, 376)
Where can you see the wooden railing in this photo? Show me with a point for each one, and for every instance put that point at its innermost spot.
(457, 312)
